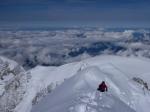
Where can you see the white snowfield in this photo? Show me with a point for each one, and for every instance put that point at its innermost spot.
(78, 92)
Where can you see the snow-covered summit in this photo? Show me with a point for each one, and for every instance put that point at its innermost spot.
(72, 87)
(76, 85)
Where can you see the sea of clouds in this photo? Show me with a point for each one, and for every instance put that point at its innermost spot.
(59, 46)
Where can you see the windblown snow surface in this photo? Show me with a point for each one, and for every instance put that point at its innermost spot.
(78, 82)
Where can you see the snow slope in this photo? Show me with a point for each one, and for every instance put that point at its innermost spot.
(77, 93)
(41, 77)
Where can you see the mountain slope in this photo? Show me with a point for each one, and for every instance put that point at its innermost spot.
(13, 82)
(78, 93)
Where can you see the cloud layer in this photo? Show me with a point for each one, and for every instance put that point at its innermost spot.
(56, 47)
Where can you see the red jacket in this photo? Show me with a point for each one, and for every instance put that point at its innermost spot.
(102, 87)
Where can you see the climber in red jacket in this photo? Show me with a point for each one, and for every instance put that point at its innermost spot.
(102, 87)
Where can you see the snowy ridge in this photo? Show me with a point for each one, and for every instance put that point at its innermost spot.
(77, 93)
(41, 78)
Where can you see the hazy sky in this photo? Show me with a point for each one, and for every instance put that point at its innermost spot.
(104, 13)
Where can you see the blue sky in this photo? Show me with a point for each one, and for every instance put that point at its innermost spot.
(103, 13)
